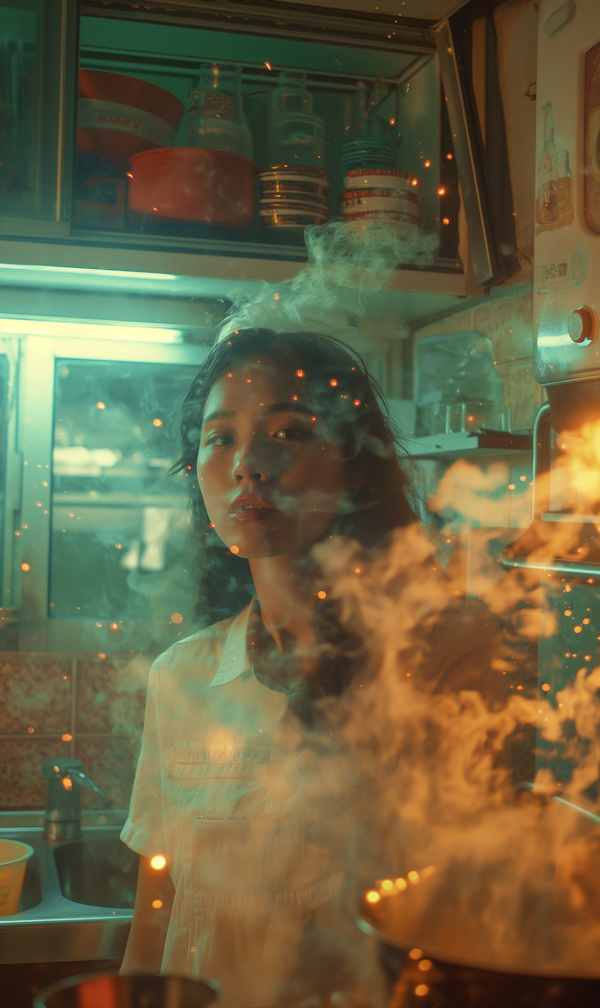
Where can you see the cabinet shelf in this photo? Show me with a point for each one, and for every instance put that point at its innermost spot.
(451, 446)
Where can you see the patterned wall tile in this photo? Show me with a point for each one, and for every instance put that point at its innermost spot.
(111, 763)
(21, 783)
(521, 392)
(111, 693)
(35, 692)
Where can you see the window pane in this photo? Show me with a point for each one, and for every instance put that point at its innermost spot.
(119, 527)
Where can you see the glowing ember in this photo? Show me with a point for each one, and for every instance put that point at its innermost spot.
(545, 687)
(421, 990)
(25, 567)
(158, 861)
(66, 737)
(372, 896)
(157, 904)
(67, 783)
(176, 617)
(234, 549)
(415, 953)
(157, 422)
(333, 382)
(321, 594)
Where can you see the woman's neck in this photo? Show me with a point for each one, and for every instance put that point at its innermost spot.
(285, 592)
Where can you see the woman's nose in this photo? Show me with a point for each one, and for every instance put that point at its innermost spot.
(251, 465)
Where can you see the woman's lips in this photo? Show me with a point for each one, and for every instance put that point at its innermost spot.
(250, 508)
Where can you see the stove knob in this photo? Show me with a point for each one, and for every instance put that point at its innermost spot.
(582, 325)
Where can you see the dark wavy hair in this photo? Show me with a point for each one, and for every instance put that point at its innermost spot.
(340, 389)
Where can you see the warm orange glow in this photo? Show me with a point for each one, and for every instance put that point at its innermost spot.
(511, 486)
(268, 66)
(100, 405)
(421, 990)
(545, 687)
(118, 546)
(176, 617)
(414, 181)
(321, 594)
(413, 876)
(373, 897)
(333, 382)
(415, 953)
(234, 549)
(114, 626)
(67, 783)
(357, 402)
(101, 654)
(25, 567)
(586, 620)
(299, 373)
(387, 885)
(425, 965)
(577, 629)
(157, 422)
(568, 612)
(449, 157)
(276, 297)
(445, 220)
(66, 737)
(31, 730)
(441, 191)
(400, 884)
(427, 164)
(158, 861)
(358, 570)
(157, 904)
(587, 657)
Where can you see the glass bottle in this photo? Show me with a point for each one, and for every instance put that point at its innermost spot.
(296, 135)
(216, 115)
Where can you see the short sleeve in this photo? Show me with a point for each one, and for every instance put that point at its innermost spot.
(144, 828)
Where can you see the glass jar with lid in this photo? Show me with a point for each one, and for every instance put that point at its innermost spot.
(296, 134)
(216, 115)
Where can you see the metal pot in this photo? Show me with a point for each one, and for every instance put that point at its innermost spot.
(114, 990)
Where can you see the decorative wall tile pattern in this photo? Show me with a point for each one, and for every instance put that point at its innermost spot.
(109, 697)
(111, 764)
(35, 692)
(70, 705)
(21, 759)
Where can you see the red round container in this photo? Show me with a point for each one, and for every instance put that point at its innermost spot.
(193, 184)
(119, 116)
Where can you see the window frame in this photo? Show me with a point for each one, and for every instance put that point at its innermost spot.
(35, 439)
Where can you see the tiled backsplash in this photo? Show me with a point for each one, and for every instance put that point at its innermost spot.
(84, 706)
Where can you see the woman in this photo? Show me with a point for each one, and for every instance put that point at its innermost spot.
(286, 443)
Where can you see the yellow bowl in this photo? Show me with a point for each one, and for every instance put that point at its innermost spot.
(14, 856)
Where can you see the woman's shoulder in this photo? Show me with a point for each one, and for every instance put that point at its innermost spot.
(195, 653)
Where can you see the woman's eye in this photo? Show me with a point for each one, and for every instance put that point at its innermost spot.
(292, 434)
(219, 440)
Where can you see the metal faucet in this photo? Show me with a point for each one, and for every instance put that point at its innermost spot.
(62, 820)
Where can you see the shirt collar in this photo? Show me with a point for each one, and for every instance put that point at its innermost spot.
(234, 656)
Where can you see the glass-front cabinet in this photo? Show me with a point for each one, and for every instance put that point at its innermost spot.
(96, 539)
(219, 131)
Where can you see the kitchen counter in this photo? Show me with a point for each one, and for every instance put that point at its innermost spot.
(52, 926)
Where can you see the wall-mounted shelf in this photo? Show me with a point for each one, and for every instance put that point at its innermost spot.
(458, 445)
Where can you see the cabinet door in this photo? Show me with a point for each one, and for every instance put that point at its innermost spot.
(38, 62)
(103, 549)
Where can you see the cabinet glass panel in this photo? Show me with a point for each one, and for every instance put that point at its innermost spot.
(120, 537)
(20, 68)
(148, 114)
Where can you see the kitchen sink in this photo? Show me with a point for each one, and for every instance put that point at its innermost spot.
(98, 872)
(77, 898)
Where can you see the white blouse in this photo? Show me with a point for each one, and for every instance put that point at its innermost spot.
(221, 793)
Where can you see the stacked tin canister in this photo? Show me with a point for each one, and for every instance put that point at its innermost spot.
(292, 196)
(381, 194)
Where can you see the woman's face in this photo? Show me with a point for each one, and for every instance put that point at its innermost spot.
(270, 474)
